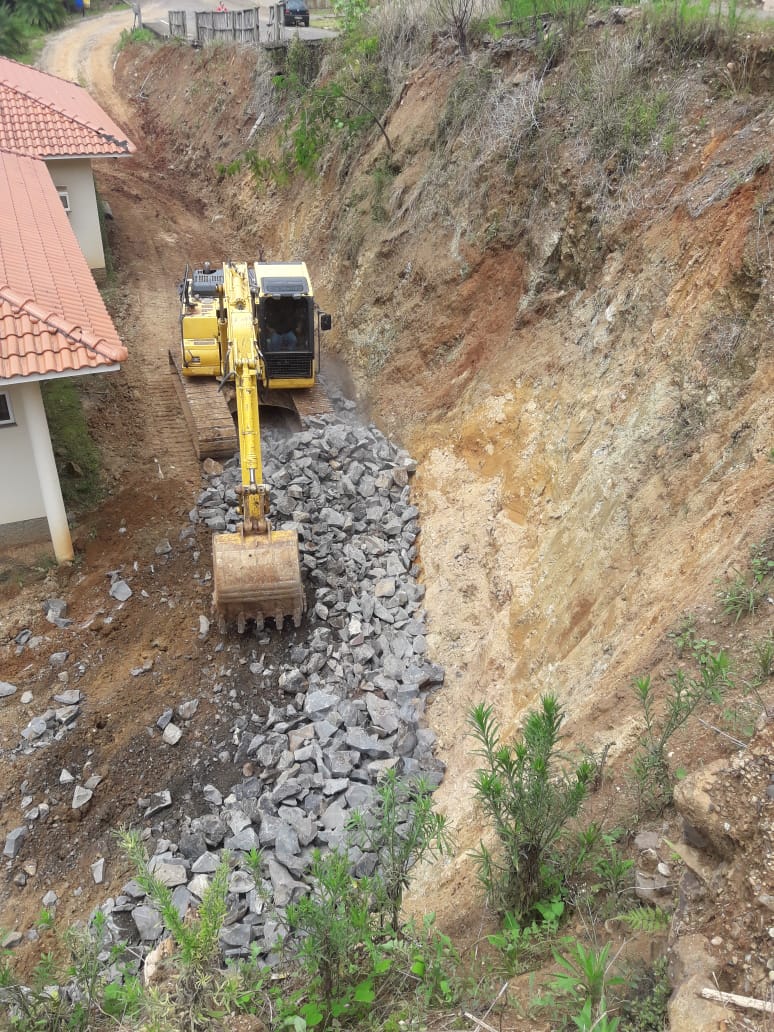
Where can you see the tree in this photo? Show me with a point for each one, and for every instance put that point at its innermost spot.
(457, 14)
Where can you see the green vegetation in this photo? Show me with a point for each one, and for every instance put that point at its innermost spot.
(653, 777)
(77, 457)
(135, 36)
(529, 792)
(23, 23)
(742, 594)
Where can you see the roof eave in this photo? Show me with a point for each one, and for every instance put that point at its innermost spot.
(14, 381)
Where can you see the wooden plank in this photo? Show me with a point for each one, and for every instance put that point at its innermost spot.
(206, 413)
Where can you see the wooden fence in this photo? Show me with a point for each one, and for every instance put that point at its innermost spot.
(222, 26)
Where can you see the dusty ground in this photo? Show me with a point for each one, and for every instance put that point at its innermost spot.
(592, 460)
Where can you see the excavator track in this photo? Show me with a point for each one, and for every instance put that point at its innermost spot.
(313, 401)
(207, 414)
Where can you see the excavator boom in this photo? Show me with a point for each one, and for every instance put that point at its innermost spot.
(256, 571)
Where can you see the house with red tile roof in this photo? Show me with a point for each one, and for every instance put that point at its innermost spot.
(53, 321)
(45, 117)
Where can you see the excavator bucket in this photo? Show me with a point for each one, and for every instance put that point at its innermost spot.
(256, 576)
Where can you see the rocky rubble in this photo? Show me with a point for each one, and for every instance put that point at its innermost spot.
(355, 688)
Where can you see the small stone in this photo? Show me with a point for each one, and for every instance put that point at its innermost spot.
(716, 940)
(71, 697)
(186, 710)
(120, 591)
(50, 899)
(163, 547)
(170, 874)
(11, 940)
(81, 796)
(212, 795)
(241, 882)
(207, 863)
(26, 698)
(204, 626)
(57, 659)
(147, 921)
(14, 841)
(98, 870)
(7, 689)
(36, 727)
(158, 801)
(172, 734)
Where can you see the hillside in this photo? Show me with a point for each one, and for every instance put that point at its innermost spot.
(550, 280)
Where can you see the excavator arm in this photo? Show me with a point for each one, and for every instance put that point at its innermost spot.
(256, 572)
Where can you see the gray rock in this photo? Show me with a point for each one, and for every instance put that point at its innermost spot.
(164, 719)
(98, 871)
(7, 689)
(318, 703)
(199, 884)
(148, 922)
(170, 874)
(120, 591)
(207, 863)
(212, 795)
(186, 710)
(81, 796)
(36, 727)
(158, 801)
(383, 713)
(244, 841)
(71, 697)
(241, 882)
(285, 888)
(212, 827)
(172, 734)
(191, 845)
(361, 741)
(181, 900)
(236, 936)
(14, 841)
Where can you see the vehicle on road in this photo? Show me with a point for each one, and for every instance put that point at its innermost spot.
(296, 13)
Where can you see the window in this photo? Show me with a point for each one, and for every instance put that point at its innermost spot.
(64, 197)
(6, 412)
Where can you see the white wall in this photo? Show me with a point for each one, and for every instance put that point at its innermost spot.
(75, 176)
(20, 495)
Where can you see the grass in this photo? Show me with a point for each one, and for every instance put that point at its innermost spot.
(77, 457)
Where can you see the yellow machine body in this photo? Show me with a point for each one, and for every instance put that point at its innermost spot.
(283, 316)
(256, 571)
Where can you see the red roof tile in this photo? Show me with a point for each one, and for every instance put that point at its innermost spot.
(47, 117)
(52, 317)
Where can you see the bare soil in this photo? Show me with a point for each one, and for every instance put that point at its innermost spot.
(591, 460)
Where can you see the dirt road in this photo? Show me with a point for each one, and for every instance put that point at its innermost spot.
(157, 227)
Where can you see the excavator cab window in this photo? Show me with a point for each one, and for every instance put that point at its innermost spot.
(286, 325)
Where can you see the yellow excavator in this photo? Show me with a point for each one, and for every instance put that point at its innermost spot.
(256, 329)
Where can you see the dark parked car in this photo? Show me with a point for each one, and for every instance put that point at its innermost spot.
(296, 13)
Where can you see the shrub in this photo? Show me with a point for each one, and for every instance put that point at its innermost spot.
(652, 774)
(13, 35)
(403, 830)
(41, 14)
(529, 793)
